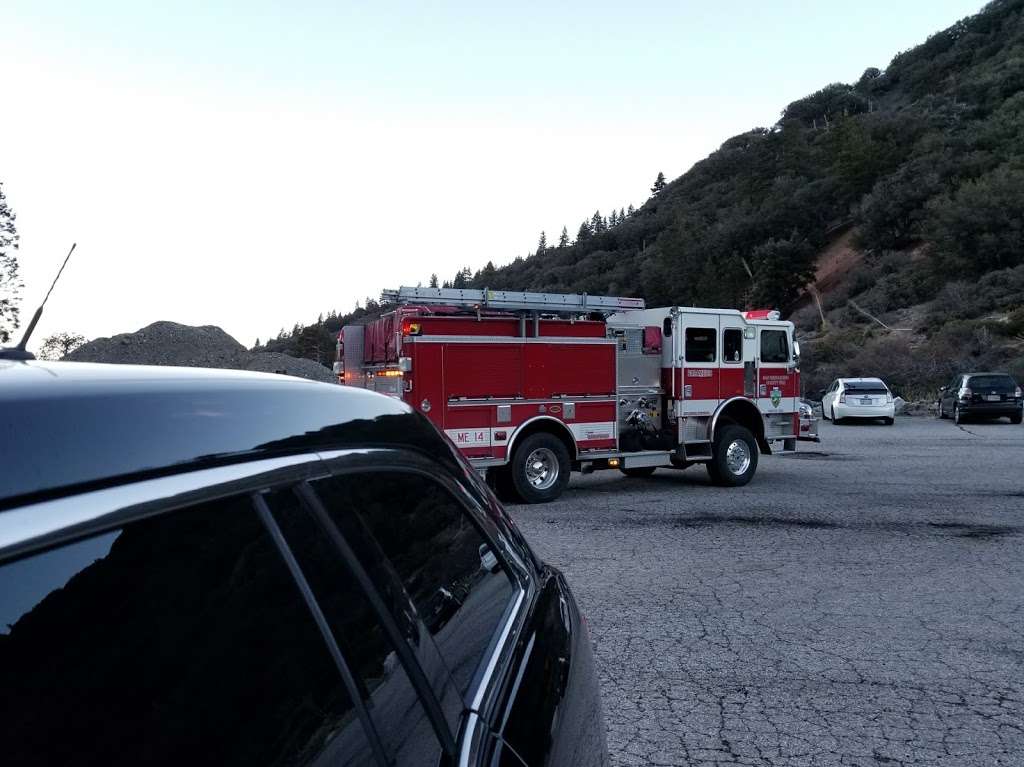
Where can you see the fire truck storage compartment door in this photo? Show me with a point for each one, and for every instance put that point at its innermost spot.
(569, 369)
(479, 371)
(425, 384)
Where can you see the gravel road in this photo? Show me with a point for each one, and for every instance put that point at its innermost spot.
(859, 603)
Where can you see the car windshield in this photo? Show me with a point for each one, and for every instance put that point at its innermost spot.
(992, 383)
(866, 387)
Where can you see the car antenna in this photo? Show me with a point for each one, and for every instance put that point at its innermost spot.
(19, 352)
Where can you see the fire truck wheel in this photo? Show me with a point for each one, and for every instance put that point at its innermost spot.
(540, 468)
(640, 471)
(734, 458)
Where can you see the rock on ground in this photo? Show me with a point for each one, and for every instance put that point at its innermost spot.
(207, 346)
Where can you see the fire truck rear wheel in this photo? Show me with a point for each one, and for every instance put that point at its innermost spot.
(540, 468)
(734, 458)
(640, 471)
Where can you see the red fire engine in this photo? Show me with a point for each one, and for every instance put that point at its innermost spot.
(531, 386)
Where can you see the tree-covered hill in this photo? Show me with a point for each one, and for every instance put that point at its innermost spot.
(923, 161)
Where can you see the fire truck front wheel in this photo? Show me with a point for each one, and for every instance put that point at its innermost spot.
(734, 458)
(540, 468)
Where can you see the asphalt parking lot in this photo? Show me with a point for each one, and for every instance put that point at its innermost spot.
(859, 603)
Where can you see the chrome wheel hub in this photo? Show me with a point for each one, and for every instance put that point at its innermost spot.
(737, 457)
(541, 468)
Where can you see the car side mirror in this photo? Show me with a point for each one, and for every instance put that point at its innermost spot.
(796, 352)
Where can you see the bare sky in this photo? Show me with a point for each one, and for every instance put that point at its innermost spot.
(251, 165)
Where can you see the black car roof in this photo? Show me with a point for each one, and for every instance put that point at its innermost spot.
(70, 424)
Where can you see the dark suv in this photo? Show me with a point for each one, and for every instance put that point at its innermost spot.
(981, 395)
(209, 567)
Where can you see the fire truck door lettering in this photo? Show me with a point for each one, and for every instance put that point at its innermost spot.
(469, 437)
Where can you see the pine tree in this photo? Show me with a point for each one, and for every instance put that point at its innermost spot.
(433, 280)
(542, 243)
(622, 215)
(563, 238)
(597, 223)
(659, 184)
(630, 210)
(10, 282)
(584, 232)
(257, 344)
(613, 219)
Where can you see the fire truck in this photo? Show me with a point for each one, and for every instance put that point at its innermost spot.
(532, 386)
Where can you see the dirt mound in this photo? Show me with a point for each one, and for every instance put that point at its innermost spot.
(207, 346)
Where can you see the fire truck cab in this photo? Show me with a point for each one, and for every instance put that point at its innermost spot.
(531, 386)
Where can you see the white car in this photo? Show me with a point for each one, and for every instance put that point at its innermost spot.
(858, 398)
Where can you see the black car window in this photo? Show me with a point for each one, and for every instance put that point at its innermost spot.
(456, 584)
(398, 714)
(700, 344)
(997, 383)
(181, 639)
(732, 345)
(774, 346)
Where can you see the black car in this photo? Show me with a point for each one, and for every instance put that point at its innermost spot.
(981, 395)
(211, 567)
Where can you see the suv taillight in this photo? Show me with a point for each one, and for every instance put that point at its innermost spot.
(842, 398)
(1017, 393)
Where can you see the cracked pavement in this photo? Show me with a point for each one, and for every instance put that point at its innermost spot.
(859, 603)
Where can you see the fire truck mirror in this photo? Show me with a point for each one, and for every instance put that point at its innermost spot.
(666, 327)
(796, 352)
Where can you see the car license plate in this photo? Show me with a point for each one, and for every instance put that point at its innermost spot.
(993, 397)
(866, 401)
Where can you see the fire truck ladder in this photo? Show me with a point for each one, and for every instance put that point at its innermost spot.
(513, 300)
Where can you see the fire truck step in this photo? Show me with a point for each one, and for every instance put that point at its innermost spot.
(695, 451)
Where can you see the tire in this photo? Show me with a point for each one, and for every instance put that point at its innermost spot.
(640, 471)
(540, 468)
(734, 457)
(942, 412)
(957, 418)
(1017, 417)
(889, 421)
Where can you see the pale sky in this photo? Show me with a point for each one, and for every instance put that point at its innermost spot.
(251, 165)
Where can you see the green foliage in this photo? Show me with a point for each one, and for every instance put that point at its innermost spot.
(781, 268)
(980, 226)
(10, 282)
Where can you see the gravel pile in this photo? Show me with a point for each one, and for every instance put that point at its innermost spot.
(168, 343)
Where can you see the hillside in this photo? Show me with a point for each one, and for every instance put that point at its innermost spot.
(901, 195)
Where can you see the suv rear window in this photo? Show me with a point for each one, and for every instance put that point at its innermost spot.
(992, 383)
(175, 640)
(457, 585)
